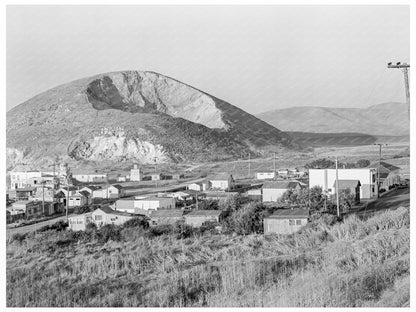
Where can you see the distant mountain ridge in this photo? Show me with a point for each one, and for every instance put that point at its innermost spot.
(133, 116)
(383, 119)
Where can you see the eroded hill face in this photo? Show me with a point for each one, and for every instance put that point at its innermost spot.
(138, 92)
(133, 116)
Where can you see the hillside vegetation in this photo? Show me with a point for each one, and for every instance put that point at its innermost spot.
(347, 264)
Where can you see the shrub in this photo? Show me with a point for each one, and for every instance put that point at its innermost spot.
(183, 230)
(160, 230)
(57, 226)
(136, 222)
(18, 237)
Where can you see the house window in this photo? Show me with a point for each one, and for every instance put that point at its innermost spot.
(98, 218)
(291, 222)
(298, 222)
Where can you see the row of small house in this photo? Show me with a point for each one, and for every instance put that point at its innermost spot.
(283, 221)
(106, 215)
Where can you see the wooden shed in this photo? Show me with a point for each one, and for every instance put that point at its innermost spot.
(286, 221)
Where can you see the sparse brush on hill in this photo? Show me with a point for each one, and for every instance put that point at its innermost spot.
(347, 264)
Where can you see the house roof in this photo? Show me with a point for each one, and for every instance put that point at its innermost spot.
(26, 189)
(167, 213)
(71, 188)
(117, 186)
(343, 184)
(287, 185)
(93, 187)
(85, 193)
(289, 213)
(193, 192)
(384, 167)
(24, 202)
(221, 177)
(108, 210)
(196, 213)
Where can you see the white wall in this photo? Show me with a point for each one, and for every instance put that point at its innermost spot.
(325, 178)
(221, 184)
(265, 175)
(272, 194)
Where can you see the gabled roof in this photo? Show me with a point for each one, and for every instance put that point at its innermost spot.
(289, 214)
(193, 193)
(286, 185)
(26, 189)
(196, 213)
(221, 177)
(384, 167)
(24, 202)
(117, 186)
(343, 184)
(85, 193)
(167, 213)
(71, 188)
(93, 187)
(108, 210)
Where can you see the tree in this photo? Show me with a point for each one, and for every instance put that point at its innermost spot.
(362, 163)
(208, 204)
(247, 220)
(232, 203)
(346, 200)
(305, 197)
(322, 163)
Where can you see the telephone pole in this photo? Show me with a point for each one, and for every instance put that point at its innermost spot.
(404, 67)
(249, 165)
(274, 162)
(379, 165)
(336, 184)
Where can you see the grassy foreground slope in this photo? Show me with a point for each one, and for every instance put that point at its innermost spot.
(353, 263)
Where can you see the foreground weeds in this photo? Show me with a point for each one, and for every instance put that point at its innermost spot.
(353, 263)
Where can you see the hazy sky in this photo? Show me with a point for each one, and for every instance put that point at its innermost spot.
(255, 57)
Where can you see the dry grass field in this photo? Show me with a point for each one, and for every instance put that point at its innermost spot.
(350, 264)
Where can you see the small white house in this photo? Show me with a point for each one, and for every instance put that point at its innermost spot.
(141, 204)
(135, 174)
(79, 222)
(90, 178)
(265, 175)
(199, 186)
(112, 191)
(105, 215)
(272, 191)
(222, 182)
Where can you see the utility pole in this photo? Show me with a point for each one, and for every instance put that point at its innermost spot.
(336, 184)
(379, 165)
(43, 197)
(155, 159)
(404, 67)
(274, 162)
(67, 195)
(249, 165)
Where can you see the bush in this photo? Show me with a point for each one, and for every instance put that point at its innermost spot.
(160, 229)
(183, 230)
(57, 226)
(109, 232)
(247, 220)
(209, 204)
(18, 237)
(136, 222)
